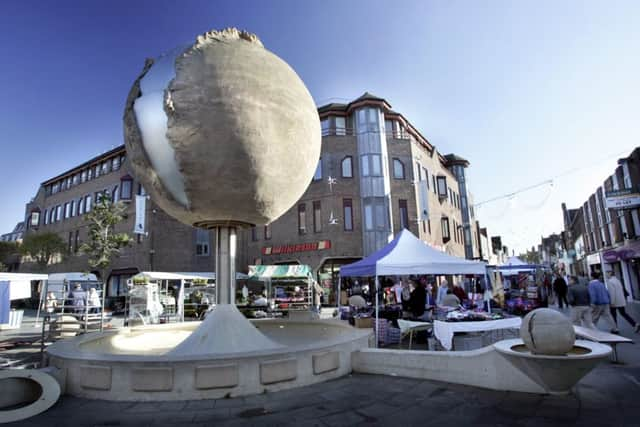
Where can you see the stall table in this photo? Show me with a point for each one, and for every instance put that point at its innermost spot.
(444, 331)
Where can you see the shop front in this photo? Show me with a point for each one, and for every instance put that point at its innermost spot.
(625, 263)
(328, 275)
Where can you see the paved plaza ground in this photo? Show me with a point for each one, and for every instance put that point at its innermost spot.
(608, 396)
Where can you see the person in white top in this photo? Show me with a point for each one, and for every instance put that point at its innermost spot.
(442, 291)
(618, 300)
(94, 301)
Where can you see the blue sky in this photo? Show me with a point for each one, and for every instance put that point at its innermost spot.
(524, 90)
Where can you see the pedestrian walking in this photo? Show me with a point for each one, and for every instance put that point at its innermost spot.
(578, 296)
(560, 288)
(600, 300)
(619, 301)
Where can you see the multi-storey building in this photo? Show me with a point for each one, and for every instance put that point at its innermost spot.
(61, 202)
(605, 231)
(377, 175)
(15, 235)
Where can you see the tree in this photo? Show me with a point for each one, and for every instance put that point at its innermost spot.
(104, 243)
(7, 251)
(42, 247)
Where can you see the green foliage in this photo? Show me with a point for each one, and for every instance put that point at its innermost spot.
(8, 249)
(530, 257)
(3, 267)
(41, 247)
(104, 243)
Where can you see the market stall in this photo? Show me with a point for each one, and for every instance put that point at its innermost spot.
(408, 255)
(277, 290)
(521, 284)
(15, 287)
(160, 297)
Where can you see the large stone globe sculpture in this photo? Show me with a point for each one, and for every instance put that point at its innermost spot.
(547, 332)
(222, 133)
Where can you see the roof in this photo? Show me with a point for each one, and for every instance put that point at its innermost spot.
(367, 96)
(454, 159)
(85, 164)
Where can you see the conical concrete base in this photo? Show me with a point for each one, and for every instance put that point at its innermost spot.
(224, 330)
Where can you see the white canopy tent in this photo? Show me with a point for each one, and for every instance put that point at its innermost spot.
(406, 255)
(18, 286)
(515, 265)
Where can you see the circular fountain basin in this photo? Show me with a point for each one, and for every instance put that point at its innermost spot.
(136, 364)
(556, 374)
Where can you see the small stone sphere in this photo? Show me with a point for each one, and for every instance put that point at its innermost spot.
(222, 131)
(547, 332)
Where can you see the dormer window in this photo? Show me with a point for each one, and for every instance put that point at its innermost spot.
(34, 220)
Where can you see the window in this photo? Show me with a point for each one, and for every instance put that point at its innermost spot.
(76, 245)
(341, 126)
(105, 168)
(116, 194)
(96, 171)
(141, 190)
(35, 218)
(254, 234)
(425, 173)
(418, 172)
(115, 163)
(368, 216)
(87, 203)
(267, 232)
(55, 188)
(442, 186)
(76, 179)
(370, 165)
(376, 214)
(318, 175)
(302, 218)
(347, 167)
(433, 181)
(46, 217)
(367, 120)
(398, 169)
(52, 215)
(404, 214)
(72, 208)
(324, 124)
(202, 242)
(70, 242)
(347, 209)
(80, 206)
(317, 217)
(89, 174)
(83, 176)
(126, 187)
(446, 236)
(58, 213)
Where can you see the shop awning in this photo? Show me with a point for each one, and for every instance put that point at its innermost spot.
(260, 272)
(161, 275)
(626, 252)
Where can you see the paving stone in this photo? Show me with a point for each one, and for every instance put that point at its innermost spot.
(343, 419)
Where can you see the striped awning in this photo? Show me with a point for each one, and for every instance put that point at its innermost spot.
(278, 271)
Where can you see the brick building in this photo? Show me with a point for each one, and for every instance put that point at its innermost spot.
(605, 231)
(377, 174)
(61, 202)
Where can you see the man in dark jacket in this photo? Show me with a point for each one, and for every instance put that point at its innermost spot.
(580, 303)
(560, 288)
(417, 300)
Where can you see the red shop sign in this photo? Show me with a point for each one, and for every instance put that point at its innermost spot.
(299, 247)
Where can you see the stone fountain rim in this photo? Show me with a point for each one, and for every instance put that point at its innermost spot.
(597, 350)
(70, 349)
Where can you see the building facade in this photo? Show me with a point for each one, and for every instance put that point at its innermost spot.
(15, 235)
(61, 202)
(605, 231)
(377, 175)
